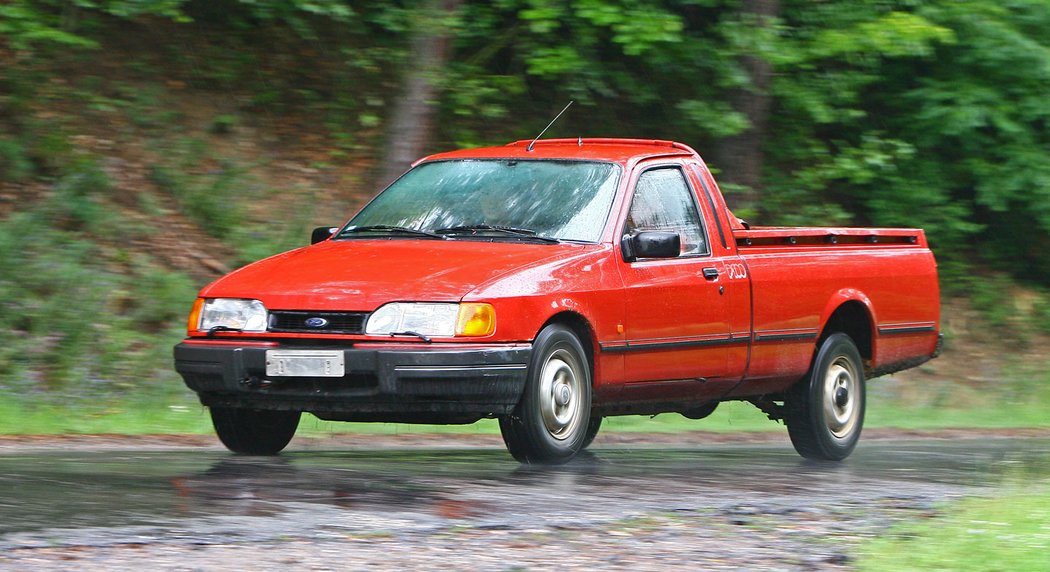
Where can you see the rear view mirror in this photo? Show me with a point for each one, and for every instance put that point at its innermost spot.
(322, 233)
(651, 245)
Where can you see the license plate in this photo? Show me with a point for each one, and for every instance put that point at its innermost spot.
(304, 363)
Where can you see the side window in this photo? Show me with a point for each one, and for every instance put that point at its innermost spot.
(663, 202)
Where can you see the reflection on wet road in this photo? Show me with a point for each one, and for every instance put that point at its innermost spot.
(185, 496)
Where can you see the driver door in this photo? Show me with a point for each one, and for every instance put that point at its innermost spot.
(677, 326)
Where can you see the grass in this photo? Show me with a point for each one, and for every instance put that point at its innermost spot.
(183, 414)
(177, 411)
(990, 417)
(1010, 531)
(170, 411)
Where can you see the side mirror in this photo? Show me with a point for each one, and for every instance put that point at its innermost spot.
(322, 233)
(651, 245)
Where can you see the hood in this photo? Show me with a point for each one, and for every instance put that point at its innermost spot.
(363, 274)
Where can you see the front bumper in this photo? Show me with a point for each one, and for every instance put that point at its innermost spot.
(429, 383)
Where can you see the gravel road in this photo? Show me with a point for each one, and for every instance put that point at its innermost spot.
(460, 503)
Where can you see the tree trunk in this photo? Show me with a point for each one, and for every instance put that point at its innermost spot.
(411, 121)
(741, 156)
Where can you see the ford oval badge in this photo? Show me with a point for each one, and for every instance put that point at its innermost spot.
(316, 322)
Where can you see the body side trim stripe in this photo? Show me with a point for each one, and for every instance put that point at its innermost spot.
(651, 345)
(766, 338)
(898, 329)
(795, 335)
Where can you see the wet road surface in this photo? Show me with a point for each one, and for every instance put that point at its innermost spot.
(754, 506)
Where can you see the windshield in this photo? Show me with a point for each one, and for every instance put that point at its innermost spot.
(566, 200)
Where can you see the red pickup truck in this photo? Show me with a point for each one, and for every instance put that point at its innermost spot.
(554, 283)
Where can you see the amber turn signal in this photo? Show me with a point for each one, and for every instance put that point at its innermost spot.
(194, 321)
(476, 319)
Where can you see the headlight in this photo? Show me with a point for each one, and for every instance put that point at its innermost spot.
(234, 314)
(432, 320)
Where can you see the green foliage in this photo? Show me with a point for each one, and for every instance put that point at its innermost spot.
(928, 113)
(223, 124)
(80, 319)
(980, 114)
(292, 11)
(842, 150)
(257, 241)
(889, 114)
(205, 201)
(78, 201)
(893, 34)
(25, 24)
(209, 198)
(1040, 316)
(989, 294)
(15, 165)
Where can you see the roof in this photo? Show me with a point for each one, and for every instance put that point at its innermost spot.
(618, 150)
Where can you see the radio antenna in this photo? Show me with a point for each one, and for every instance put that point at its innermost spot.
(529, 148)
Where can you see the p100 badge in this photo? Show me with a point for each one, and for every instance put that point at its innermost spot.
(316, 322)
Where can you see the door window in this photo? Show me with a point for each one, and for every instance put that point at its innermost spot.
(664, 202)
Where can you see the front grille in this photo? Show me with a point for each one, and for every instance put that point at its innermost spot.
(337, 322)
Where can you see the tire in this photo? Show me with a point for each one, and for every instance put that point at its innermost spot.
(252, 431)
(592, 430)
(551, 421)
(824, 412)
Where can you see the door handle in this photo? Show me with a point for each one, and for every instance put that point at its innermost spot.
(711, 273)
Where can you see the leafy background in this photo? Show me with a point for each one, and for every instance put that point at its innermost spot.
(146, 147)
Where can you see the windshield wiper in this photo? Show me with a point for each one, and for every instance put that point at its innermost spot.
(507, 230)
(388, 228)
(411, 333)
(215, 329)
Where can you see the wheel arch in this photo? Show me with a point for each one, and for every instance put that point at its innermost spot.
(579, 325)
(854, 317)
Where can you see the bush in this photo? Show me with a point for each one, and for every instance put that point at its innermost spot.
(15, 166)
(74, 322)
(208, 199)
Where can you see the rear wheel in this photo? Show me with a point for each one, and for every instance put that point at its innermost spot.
(825, 411)
(253, 431)
(550, 423)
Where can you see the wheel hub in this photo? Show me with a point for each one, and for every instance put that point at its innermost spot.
(841, 397)
(560, 387)
(841, 404)
(563, 394)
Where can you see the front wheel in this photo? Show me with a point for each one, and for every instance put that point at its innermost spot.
(592, 430)
(254, 431)
(551, 422)
(825, 411)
